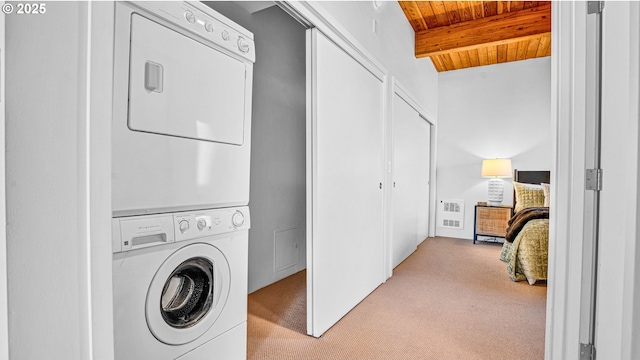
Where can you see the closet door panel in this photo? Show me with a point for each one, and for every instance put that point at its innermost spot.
(405, 181)
(345, 259)
(411, 163)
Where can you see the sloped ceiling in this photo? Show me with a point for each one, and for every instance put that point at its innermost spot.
(462, 34)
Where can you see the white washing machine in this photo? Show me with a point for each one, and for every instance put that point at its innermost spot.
(180, 285)
(181, 135)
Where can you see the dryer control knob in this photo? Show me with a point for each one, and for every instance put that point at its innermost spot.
(225, 35)
(202, 223)
(184, 226)
(243, 45)
(190, 17)
(237, 219)
(208, 27)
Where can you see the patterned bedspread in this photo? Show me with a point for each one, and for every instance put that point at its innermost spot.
(522, 217)
(527, 255)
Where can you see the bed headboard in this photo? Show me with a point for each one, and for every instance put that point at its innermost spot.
(530, 177)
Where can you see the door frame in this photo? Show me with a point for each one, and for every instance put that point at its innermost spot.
(569, 75)
(566, 228)
(4, 310)
(94, 179)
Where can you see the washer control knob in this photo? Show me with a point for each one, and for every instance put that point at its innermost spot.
(225, 35)
(208, 27)
(183, 225)
(237, 219)
(243, 45)
(190, 17)
(202, 223)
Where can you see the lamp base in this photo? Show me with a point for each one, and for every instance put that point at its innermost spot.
(496, 192)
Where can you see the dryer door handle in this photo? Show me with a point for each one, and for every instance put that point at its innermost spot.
(153, 76)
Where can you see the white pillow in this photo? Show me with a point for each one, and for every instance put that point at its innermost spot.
(547, 194)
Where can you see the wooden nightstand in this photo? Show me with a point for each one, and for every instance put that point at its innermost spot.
(491, 221)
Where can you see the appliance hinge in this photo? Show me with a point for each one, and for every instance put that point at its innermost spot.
(587, 352)
(595, 7)
(593, 179)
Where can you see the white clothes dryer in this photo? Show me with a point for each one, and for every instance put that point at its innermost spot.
(180, 285)
(181, 134)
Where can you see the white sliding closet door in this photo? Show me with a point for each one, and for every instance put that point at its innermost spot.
(411, 154)
(345, 202)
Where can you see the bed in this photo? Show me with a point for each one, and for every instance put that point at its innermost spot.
(526, 247)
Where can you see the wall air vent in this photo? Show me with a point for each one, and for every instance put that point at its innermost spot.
(451, 214)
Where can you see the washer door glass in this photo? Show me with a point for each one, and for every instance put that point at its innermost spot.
(187, 294)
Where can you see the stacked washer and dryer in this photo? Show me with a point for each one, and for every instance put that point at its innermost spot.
(180, 182)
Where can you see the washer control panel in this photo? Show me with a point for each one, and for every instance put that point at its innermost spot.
(210, 222)
(206, 23)
(136, 232)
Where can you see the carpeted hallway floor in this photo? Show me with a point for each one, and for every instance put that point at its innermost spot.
(449, 300)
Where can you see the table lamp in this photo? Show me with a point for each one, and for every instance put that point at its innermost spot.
(496, 169)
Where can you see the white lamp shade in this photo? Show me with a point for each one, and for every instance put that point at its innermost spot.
(496, 168)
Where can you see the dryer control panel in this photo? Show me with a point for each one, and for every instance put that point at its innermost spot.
(206, 23)
(136, 232)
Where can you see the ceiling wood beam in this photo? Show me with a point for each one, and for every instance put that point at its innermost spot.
(490, 31)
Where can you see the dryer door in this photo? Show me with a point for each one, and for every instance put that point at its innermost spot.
(181, 87)
(188, 294)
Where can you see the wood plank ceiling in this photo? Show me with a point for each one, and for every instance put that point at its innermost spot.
(462, 34)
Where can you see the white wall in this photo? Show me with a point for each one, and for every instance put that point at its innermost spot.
(58, 183)
(42, 172)
(277, 197)
(496, 111)
(42, 198)
(392, 45)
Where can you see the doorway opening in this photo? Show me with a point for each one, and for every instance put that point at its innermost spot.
(277, 239)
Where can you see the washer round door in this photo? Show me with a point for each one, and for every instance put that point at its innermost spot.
(188, 293)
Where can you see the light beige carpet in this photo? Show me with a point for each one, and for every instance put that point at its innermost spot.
(449, 300)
